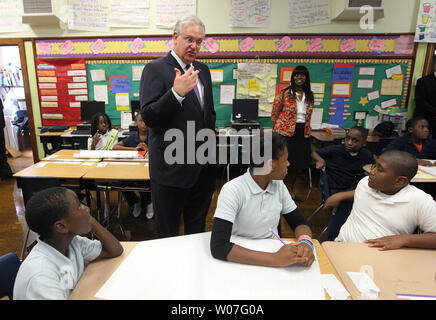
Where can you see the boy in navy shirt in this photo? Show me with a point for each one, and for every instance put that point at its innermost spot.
(343, 163)
(418, 141)
(137, 141)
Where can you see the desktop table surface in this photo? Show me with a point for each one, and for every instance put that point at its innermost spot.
(98, 272)
(119, 170)
(65, 155)
(59, 169)
(405, 271)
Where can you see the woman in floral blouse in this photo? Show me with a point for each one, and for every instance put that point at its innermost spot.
(290, 115)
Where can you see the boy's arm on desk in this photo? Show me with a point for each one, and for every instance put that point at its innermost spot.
(423, 240)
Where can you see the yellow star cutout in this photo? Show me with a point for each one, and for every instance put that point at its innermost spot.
(363, 101)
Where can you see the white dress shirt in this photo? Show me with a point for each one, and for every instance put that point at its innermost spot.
(375, 214)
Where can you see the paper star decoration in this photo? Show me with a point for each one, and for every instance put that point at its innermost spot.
(363, 101)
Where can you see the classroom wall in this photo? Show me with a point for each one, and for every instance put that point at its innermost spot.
(400, 17)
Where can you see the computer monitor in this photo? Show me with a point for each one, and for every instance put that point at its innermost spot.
(245, 110)
(89, 108)
(135, 108)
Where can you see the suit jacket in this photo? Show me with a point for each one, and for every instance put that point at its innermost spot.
(161, 111)
(425, 97)
(2, 116)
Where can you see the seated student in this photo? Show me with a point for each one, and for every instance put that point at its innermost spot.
(137, 141)
(417, 141)
(343, 163)
(103, 137)
(250, 206)
(387, 209)
(56, 263)
(385, 129)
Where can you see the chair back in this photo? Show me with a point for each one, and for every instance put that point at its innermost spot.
(30, 186)
(9, 265)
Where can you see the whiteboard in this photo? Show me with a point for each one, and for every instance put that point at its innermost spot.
(182, 268)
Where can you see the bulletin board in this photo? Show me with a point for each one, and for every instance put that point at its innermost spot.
(374, 85)
(352, 76)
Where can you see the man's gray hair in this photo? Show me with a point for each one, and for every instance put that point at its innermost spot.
(188, 20)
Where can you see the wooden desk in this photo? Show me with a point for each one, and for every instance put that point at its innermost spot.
(98, 272)
(119, 171)
(58, 169)
(67, 155)
(406, 271)
(53, 138)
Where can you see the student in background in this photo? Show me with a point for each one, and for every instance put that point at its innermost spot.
(290, 115)
(103, 137)
(137, 141)
(387, 209)
(250, 206)
(343, 164)
(56, 263)
(418, 141)
(385, 129)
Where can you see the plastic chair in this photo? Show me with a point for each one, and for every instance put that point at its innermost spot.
(9, 265)
(325, 193)
(21, 121)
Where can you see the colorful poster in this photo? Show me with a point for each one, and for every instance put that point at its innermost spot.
(249, 13)
(60, 91)
(303, 13)
(258, 81)
(88, 15)
(426, 22)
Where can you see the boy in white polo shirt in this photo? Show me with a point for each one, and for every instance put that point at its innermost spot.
(56, 263)
(250, 206)
(387, 209)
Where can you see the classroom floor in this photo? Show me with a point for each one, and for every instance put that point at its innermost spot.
(13, 225)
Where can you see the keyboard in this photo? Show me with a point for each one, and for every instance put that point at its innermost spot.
(80, 132)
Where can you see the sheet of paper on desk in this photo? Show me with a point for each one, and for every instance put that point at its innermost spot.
(334, 287)
(429, 170)
(182, 267)
(120, 154)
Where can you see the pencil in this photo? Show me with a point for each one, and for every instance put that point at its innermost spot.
(277, 236)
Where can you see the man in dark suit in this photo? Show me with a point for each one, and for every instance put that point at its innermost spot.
(425, 100)
(176, 94)
(5, 169)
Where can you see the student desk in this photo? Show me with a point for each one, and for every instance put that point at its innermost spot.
(119, 176)
(403, 271)
(98, 272)
(53, 138)
(67, 155)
